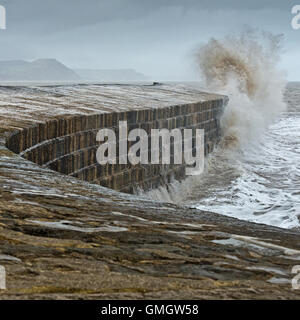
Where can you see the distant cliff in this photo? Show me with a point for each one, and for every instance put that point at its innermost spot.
(53, 70)
(110, 75)
(41, 69)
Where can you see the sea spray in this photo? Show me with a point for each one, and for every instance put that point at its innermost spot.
(234, 183)
(245, 67)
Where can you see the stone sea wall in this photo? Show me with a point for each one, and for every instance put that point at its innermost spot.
(66, 238)
(68, 144)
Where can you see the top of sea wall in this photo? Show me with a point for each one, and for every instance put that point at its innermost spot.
(21, 107)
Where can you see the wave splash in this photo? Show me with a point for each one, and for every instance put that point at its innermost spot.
(254, 174)
(245, 67)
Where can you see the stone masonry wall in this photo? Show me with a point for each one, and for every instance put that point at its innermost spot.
(68, 145)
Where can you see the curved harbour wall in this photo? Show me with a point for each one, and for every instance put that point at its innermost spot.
(68, 144)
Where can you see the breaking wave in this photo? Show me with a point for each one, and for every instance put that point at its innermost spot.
(245, 68)
(254, 173)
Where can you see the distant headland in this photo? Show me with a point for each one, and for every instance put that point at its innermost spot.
(53, 70)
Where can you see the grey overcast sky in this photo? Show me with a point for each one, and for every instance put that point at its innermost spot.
(155, 37)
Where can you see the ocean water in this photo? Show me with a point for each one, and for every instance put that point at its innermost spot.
(260, 183)
(254, 174)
